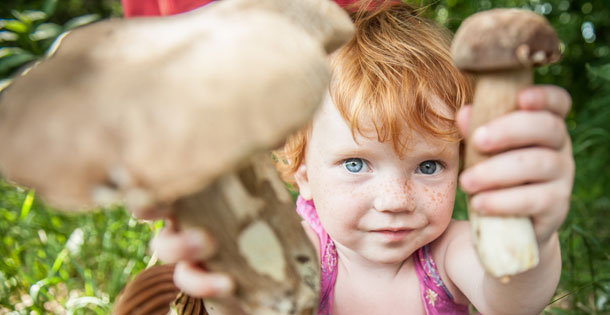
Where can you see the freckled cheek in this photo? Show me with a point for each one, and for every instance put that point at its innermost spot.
(439, 202)
(447, 196)
(334, 193)
(338, 217)
(332, 197)
(339, 208)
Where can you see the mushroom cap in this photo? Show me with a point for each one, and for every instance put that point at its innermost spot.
(502, 39)
(159, 107)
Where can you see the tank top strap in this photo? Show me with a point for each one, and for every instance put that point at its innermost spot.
(435, 295)
(328, 254)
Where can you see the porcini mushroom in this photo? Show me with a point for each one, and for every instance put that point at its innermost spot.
(124, 102)
(154, 110)
(501, 47)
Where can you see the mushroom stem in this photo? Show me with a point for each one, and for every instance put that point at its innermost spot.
(506, 245)
(264, 248)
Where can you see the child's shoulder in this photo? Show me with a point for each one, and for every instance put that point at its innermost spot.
(456, 231)
(455, 241)
(456, 234)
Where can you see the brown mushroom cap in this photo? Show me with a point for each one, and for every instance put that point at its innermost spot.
(502, 39)
(161, 106)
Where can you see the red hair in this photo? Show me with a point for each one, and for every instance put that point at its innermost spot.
(396, 73)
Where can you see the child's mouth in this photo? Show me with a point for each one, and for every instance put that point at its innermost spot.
(393, 235)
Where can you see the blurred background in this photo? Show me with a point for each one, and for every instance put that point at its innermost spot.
(52, 262)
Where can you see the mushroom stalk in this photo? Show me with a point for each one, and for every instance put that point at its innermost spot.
(264, 248)
(506, 245)
(501, 47)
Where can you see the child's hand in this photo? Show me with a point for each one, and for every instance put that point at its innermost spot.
(188, 249)
(533, 174)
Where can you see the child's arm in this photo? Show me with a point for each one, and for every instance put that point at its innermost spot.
(532, 177)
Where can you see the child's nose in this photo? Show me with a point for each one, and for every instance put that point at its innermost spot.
(394, 196)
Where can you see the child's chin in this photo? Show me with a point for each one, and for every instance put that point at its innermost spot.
(391, 257)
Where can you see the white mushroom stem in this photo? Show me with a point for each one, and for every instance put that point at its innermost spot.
(506, 245)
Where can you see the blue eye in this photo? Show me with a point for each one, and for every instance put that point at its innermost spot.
(429, 167)
(354, 165)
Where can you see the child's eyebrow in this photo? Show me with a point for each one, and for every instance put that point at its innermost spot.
(352, 152)
(355, 149)
(433, 150)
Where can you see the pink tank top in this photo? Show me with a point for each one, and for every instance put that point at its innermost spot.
(435, 295)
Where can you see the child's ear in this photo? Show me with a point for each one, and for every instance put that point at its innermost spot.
(300, 176)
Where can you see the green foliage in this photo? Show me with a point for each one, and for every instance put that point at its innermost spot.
(56, 262)
(62, 11)
(44, 269)
(27, 34)
(586, 235)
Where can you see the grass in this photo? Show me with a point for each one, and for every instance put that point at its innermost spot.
(61, 263)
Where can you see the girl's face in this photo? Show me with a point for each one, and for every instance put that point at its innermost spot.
(372, 202)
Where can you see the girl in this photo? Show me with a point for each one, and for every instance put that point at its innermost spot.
(377, 171)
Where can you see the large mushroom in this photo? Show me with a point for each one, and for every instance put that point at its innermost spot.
(178, 112)
(501, 47)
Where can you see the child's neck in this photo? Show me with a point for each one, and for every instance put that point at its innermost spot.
(366, 287)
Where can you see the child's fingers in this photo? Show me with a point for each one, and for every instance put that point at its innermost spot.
(538, 97)
(520, 129)
(188, 244)
(512, 168)
(545, 97)
(546, 203)
(197, 282)
(149, 213)
(463, 119)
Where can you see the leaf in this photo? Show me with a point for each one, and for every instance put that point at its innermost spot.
(600, 71)
(80, 21)
(35, 288)
(7, 36)
(46, 31)
(15, 26)
(27, 205)
(11, 51)
(59, 260)
(29, 16)
(7, 51)
(14, 59)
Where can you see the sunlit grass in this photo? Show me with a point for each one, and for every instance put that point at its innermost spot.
(56, 262)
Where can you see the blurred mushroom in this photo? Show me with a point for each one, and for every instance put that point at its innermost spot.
(175, 112)
(501, 47)
(162, 106)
